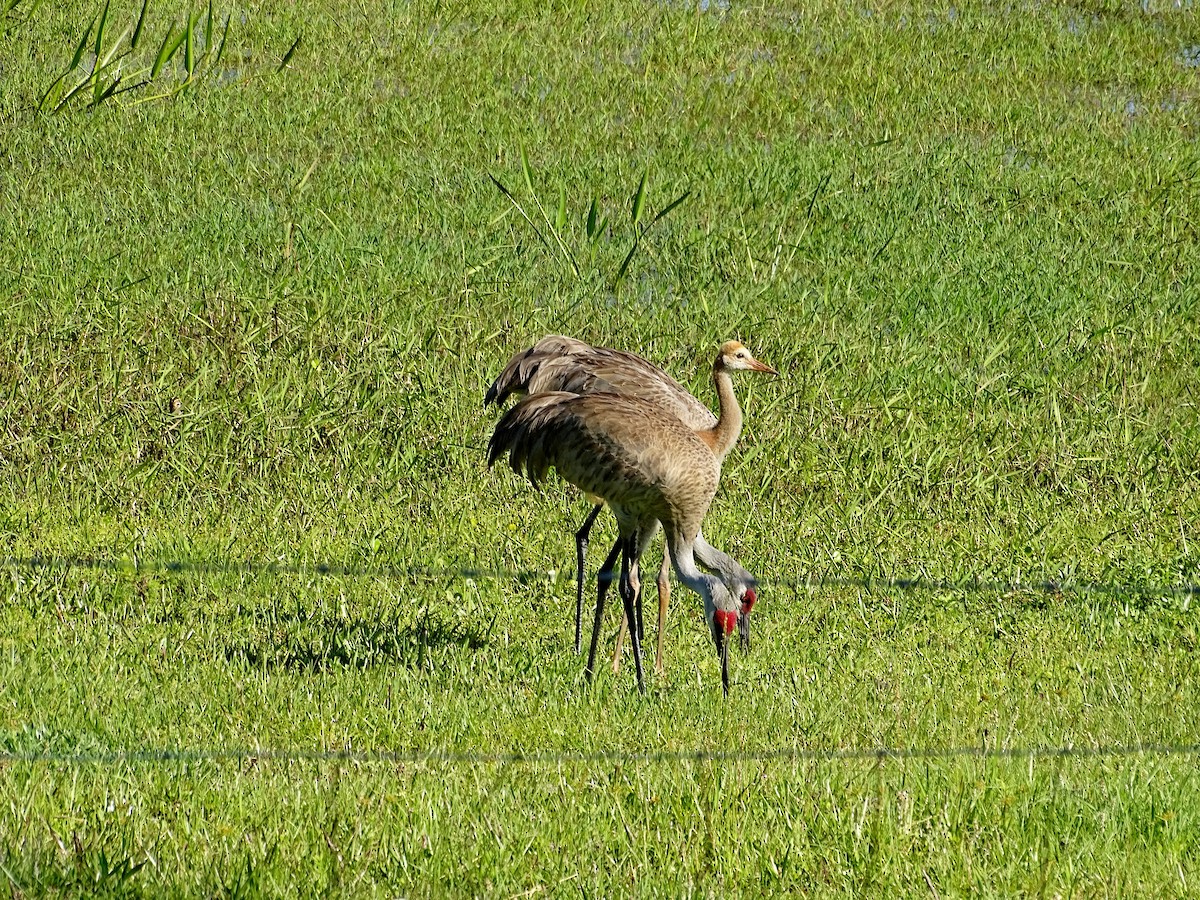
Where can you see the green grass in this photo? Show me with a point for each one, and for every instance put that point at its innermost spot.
(249, 311)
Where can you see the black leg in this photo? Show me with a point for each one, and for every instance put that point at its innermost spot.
(637, 588)
(744, 631)
(581, 544)
(628, 560)
(603, 579)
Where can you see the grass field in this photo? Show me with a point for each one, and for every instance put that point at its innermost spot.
(248, 311)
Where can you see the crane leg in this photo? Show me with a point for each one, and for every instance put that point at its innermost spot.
(645, 538)
(744, 631)
(629, 595)
(581, 545)
(616, 660)
(664, 597)
(603, 580)
(635, 578)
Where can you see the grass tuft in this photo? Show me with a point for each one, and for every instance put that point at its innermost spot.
(104, 75)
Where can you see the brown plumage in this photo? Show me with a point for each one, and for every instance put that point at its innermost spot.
(559, 363)
(648, 467)
(621, 449)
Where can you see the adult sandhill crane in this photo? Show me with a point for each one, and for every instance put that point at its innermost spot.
(559, 363)
(648, 467)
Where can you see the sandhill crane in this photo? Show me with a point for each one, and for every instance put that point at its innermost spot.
(648, 467)
(559, 363)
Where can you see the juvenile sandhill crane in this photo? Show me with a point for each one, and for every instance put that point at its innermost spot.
(649, 468)
(559, 363)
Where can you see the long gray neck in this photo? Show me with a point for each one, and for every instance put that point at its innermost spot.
(722, 436)
(710, 588)
(729, 569)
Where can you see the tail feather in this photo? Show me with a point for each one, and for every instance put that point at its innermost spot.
(524, 366)
(526, 432)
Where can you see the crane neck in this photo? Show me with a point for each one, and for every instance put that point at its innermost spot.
(722, 436)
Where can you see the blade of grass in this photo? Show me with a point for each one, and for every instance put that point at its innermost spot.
(208, 29)
(593, 214)
(137, 29)
(189, 47)
(527, 171)
(103, 62)
(224, 38)
(562, 247)
(133, 87)
(108, 92)
(670, 206)
(639, 200)
(625, 263)
(638, 235)
(82, 45)
(170, 45)
(45, 102)
(100, 29)
(73, 91)
(513, 200)
(287, 57)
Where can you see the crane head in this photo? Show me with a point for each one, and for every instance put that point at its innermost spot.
(725, 620)
(735, 357)
(721, 607)
(749, 598)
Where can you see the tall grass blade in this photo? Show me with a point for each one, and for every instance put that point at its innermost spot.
(513, 200)
(287, 57)
(100, 29)
(555, 230)
(224, 38)
(169, 45)
(82, 45)
(46, 103)
(639, 200)
(593, 214)
(670, 206)
(821, 185)
(73, 91)
(625, 263)
(189, 47)
(108, 92)
(133, 87)
(137, 29)
(208, 29)
(102, 63)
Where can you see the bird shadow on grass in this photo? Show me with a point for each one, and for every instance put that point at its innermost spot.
(307, 643)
